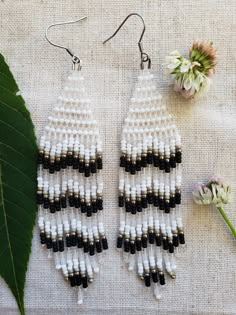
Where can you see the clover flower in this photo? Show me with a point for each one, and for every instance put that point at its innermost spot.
(192, 76)
(202, 195)
(215, 192)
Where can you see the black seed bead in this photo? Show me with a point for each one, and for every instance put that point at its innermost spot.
(119, 242)
(100, 204)
(127, 165)
(132, 247)
(167, 166)
(138, 165)
(68, 241)
(161, 204)
(99, 163)
(40, 158)
(73, 239)
(181, 238)
(57, 165)
(52, 207)
(178, 160)
(144, 202)
(165, 243)
(81, 166)
(63, 162)
(94, 206)
(144, 241)
(149, 158)
(150, 197)
(84, 282)
(147, 280)
(76, 202)
(83, 207)
(178, 198)
(46, 163)
(121, 201)
(71, 200)
(144, 160)
(98, 246)
(158, 239)
(89, 210)
(86, 246)
(63, 202)
(167, 206)
(175, 240)
(133, 208)
(55, 246)
(72, 280)
(51, 168)
(151, 237)
(167, 170)
(39, 199)
(86, 170)
(178, 156)
(75, 163)
(138, 243)
(122, 161)
(49, 242)
(57, 205)
(154, 276)
(171, 247)
(126, 245)
(156, 160)
(61, 245)
(104, 243)
(172, 202)
(133, 168)
(45, 203)
(162, 278)
(139, 205)
(172, 161)
(156, 201)
(78, 280)
(79, 241)
(127, 206)
(42, 238)
(161, 164)
(91, 249)
(93, 167)
(69, 159)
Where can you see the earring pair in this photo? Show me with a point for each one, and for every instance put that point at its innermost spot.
(70, 184)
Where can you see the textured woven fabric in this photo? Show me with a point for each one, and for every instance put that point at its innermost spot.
(206, 280)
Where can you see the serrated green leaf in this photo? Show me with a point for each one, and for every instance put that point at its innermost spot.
(18, 172)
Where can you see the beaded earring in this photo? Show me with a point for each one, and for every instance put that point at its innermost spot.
(70, 185)
(151, 228)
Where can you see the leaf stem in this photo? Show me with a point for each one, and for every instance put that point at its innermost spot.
(227, 221)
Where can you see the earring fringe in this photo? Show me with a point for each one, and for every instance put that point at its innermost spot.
(151, 229)
(70, 187)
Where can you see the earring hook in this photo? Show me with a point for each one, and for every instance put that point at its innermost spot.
(75, 59)
(144, 56)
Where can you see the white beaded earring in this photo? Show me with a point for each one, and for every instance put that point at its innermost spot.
(151, 228)
(70, 185)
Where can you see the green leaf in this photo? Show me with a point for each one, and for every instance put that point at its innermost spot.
(18, 172)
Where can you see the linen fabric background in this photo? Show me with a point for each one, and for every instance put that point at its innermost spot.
(206, 278)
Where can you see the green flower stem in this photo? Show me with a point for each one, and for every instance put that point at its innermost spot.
(227, 221)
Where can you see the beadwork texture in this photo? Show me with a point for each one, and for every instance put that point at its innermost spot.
(205, 281)
(150, 187)
(70, 187)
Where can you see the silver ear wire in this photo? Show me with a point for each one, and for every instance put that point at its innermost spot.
(75, 59)
(144, 56)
